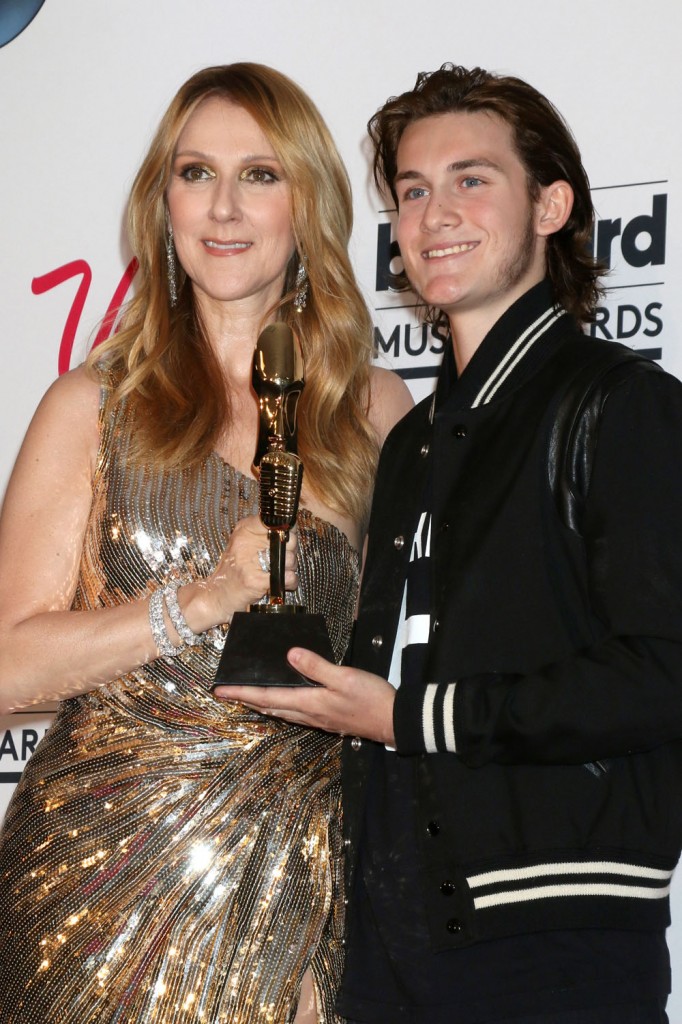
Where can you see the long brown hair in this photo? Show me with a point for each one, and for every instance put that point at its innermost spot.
(161, 358)
(544, 143)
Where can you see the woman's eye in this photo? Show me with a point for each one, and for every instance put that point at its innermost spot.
(196, 173)
(260, 175)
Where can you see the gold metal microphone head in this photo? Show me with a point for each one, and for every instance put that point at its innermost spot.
(277, 378)
(281, 474)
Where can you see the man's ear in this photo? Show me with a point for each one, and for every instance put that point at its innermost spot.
(553, 208)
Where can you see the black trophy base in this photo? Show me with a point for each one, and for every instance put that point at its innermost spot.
(255, 652)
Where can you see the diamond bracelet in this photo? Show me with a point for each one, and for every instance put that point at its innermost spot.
(158, 626)
(190, 638)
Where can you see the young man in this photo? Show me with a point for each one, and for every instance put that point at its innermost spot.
(513, 830)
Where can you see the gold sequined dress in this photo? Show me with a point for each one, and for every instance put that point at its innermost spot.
(166, 857)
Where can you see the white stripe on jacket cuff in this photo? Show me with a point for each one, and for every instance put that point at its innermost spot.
(439, 700)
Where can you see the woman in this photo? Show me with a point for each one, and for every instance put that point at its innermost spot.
(168, 856)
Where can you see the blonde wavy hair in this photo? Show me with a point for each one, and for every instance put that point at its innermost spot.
(161, 360)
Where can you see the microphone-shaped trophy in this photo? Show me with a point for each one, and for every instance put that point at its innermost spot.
(258, 640)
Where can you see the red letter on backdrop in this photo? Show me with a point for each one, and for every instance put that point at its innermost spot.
(65, 273)
(57, 277)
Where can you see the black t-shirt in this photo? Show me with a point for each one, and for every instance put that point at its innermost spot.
(391, 974)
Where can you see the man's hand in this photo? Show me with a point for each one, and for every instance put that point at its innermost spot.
(349, 702)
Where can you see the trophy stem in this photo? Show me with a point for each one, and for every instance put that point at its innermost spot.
(278, 550)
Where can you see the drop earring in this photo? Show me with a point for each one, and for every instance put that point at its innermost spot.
(171, 267)
(302, 285)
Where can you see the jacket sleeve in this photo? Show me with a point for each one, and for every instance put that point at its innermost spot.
(623, 693)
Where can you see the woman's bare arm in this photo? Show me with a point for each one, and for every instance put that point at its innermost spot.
(48, 652)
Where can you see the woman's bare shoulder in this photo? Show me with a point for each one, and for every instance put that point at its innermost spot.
(390, 400)
(66, 422)
(76, 389)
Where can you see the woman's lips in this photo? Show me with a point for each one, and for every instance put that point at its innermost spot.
(225, 247)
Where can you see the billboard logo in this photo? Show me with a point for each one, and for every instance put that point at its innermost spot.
(413, 349)
(388, 258)
(642, 239)
(630, 239)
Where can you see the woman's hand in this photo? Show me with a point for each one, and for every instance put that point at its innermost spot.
(239, 579)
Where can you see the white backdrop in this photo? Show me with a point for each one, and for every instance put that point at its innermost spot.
(83, 87)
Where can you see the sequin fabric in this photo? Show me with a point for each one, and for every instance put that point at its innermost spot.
(167, 857)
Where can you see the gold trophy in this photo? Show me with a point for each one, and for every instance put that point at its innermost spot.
(258, 640)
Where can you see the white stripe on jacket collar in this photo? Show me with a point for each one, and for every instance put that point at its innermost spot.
(511, 359)
(515, 354)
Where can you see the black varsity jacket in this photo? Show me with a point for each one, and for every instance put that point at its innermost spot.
(547, 728)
